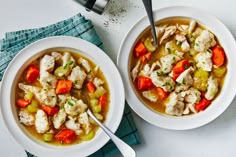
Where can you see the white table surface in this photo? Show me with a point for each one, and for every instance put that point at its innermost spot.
(216, 139)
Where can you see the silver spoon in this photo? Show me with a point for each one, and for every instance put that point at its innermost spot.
(148, 8)
(124, 148)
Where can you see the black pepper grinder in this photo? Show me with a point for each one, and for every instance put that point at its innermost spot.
(97, 6)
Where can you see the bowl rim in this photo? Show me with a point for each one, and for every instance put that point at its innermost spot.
(87, 49)
(227, 93)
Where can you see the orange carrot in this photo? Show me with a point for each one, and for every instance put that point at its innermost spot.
(144, 58)
(32, 74)
(161, 93)
(144, 83)
(102, 100)
(218, 55)
(203, 104)
(66, 136)
(140, 49)
(22, 103)
(91, 87)
(181, 66)
(63, 86)
(50, 110)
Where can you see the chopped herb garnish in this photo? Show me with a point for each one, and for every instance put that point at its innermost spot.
(71, 62)
(195, 44)
(52, 96)
(168, 49)
(49, 83)
(65, 66)
(160, 73)
(179, 43)
(203, 62)
(69, 103)
(62, 107)
(208, 50)
(185, 66)
(183, 81)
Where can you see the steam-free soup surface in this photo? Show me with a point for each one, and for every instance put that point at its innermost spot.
(54, 93)
(184, 73)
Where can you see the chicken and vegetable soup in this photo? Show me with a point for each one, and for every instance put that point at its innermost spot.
(184, 73)
(54, 93)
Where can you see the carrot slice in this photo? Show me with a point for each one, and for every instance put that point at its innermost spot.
(144, 83)
(161, 93)
(32, 74)
(140, 49)
(22, 103)
(218, 55)
(91, 87)
(50, 110)
(146, 57)
(102, 100)
(63, 86)
(66, 136)
(181, 66)
(203, 104)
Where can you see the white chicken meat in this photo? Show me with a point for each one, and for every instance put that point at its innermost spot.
(26, 118)
(98, 82)
(41, 122)
(204, 41)
(59, 118)
(47, 63)
(73, 125)
(165, 82)
(77, 76)
(204, 61)
(68, 60)
(84, 121)
(74, 106)
(212, 88)
(47, 80)
(150, 95)
(182, 42)
(174, 106)
(192, 26)
(135, 70)
(168, 61)
(185, 77)
(85, 64)
(169, 31)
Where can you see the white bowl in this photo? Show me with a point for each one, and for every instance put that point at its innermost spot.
(23, 59)
(218, 106)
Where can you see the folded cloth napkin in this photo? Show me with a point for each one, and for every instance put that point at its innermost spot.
(76, 26)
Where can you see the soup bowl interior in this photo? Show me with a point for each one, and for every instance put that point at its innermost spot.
(15, 71)
(219, 104)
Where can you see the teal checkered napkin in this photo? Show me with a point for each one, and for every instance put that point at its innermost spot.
(76, 26)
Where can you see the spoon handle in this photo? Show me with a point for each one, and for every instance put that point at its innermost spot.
(148, 8)
(124, 148)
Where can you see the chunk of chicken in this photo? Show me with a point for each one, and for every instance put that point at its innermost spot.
(147, 70)
(204, 41)
(41, 122)
(59, 118)
(73, 125)
(204, 61)
(181, 87)
(212, 88)
(85, 64)
(47, 80)
(160, 30)
(84, 121)
(62, 99)
(135, 70)
(48, 97)
(57, 56)
(47, 63)
(77, 76)
(74, 106)
(97, 82)
(183, 28)
(164, 82)
(182, 42)
(67, 59)
(189, 107)
(174, 106)
(192, 26)
(26, 118)
(185, 77)
(150, 95)
(169, 31)
(45, 96)
(170, 46)
(168, 61)
(192, 96)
